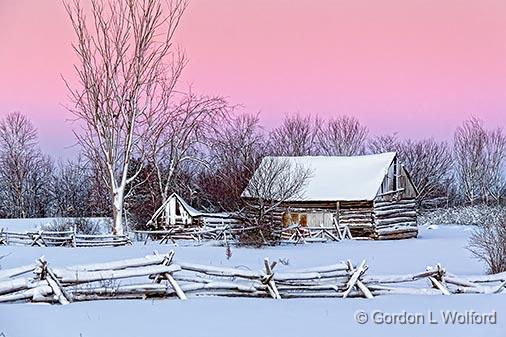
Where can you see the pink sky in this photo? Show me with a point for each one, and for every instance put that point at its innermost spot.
(418, 67)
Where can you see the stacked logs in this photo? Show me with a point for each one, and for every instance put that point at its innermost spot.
(160, 276)
(359, 218)
(395, 219)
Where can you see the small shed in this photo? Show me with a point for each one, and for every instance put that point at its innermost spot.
(373, 195)
(180, 213)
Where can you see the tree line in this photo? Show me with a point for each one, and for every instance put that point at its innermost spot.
(219, 158)
(143, 136)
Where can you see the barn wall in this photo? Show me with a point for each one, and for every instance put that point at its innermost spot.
(395, 213)
(358, 216)
(409, 189)
(379, 219)
(308, 217)
(395, 219)
(305, 214)
(392, 215)
(397, 184)
(175, 214)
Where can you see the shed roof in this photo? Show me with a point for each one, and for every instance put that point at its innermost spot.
(194, 212)
(339, 178)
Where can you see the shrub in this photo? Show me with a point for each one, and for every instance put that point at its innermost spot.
(463, 215)
(83, 225)
(488, 244)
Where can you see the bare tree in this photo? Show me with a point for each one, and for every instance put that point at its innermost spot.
(469, 143)
(429, 163)
(479, 159)
(488, 243)
(123, 78)
(276, 181)
(384, 143)
(296, 136)
(40, 202)
(26, 172)
(73, 190)
(235, 151)
(495, 159)
(179, 136)
(342, 136)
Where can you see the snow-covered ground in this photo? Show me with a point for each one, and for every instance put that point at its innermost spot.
(251, 317)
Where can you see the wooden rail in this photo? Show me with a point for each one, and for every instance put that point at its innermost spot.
(161, 276)
(225, 233)
(62, 239)
(294, 234)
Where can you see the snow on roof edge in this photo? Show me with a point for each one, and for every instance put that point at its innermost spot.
(194, 212)
(352, 178)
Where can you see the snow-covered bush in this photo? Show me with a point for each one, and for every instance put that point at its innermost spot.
(83, 225)
(463, 215)
(488, 243)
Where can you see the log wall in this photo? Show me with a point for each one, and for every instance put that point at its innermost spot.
(358, 217)
(385, 218)
(395, 219)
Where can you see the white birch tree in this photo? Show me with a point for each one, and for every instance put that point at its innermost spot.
(126, 60)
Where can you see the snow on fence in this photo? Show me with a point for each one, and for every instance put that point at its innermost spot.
(292, 234)
(160, 276)
(62, 238)
(218, 233)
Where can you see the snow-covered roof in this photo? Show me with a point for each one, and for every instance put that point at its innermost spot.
(194, 212)
(339, 178)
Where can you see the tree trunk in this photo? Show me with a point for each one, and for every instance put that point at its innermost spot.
(117, 212)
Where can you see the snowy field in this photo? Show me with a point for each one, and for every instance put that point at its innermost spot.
(251, 317)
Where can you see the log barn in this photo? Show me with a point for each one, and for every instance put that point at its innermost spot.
(372, 195)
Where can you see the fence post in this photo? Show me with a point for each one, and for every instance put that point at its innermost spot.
(3, 238)
(74, 234)
(268, 279)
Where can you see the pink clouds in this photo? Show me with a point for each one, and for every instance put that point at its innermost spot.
(418, 66)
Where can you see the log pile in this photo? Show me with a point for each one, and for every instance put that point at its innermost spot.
(62, 239)
(161, 276)
(395, 219)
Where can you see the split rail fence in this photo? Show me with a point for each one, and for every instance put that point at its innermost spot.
(160, 276)
(293, 234)
(62, 239)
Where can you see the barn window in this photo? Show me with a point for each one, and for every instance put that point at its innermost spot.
(286, 219)
(320, 219)
(303, 220)
(292, 218)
